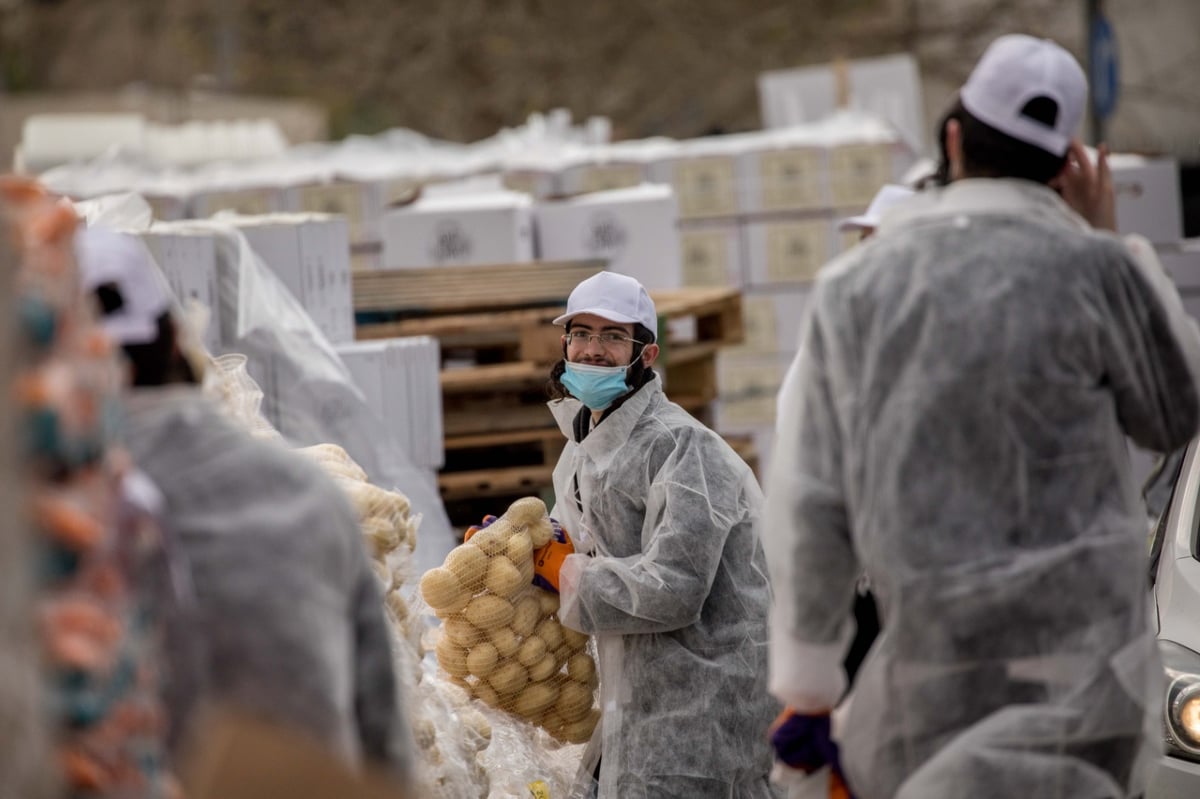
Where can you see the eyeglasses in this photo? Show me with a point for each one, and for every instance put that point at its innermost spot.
(608, 340)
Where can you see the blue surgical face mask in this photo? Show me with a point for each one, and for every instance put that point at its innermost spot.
(595, 386)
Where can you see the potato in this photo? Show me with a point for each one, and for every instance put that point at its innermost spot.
(552, 722)
(398, 606)
(476, 722)
(527, 571)
(576, 640)
(481, 660)
(540, 533)
(382, 536)
(511, 678)
(519, 549)
(562, 655)
(451, 657)
(581, 668)
(441, 589)
(527, 616)
(580, 732)
(503, 578)
(382, 575)
(544, 669)
(469, 565)
(525, 510)
(488, 612)
(532, 650)
(506, 642)
(493, 538)
(462, 632)
(486, 693)
(574, 701)
(548, 601)
(534, 699)
(550, 631)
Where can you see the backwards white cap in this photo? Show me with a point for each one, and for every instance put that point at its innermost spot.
(141, 293)
(618, 298)
(888, 196)
(1017, 68)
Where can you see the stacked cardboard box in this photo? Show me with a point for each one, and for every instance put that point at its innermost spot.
(399, 378)
(310, 253)
(189, 261)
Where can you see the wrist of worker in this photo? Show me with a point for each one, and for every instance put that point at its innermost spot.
(570, 575)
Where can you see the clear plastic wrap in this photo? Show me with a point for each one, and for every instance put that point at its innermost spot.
(308, 394)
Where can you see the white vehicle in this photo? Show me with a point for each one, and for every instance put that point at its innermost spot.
(1175, 568)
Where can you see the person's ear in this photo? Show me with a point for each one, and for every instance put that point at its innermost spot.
(954, 151)
(649, 353)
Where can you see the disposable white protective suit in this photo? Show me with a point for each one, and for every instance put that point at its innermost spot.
(676, 593)
(955, 425)
(287, 618)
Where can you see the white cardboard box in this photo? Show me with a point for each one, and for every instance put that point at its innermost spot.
(633, 229)
(494, 228)
(787, 250)
(784, 179)
(773, 318)
(1149, 199)
(705, 185)
(400, 378)
(748, 385)
(248, 201)
(189, 261)
(712, 254)
(360, 203)
(590, 177)
(310, 253)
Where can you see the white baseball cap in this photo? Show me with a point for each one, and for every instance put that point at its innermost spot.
(138, 289)
(1017, 68)
(618, 298)
(888, 196)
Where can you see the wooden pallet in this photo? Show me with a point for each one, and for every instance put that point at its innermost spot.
(455, 289)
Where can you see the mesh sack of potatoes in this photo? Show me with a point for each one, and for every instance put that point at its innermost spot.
(500, 637)
(389, 528)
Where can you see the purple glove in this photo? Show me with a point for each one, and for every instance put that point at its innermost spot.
(804, 742)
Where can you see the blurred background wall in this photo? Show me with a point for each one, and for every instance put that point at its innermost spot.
(461, 69)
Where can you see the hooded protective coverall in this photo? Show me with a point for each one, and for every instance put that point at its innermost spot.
(288, 620)
(955, 425)
(676, 594)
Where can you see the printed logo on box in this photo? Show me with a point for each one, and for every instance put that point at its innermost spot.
(706, 187)
(791, 179)
(796, 250)
(605, 235)
(705, 261)
(858, 171)
(450, 243)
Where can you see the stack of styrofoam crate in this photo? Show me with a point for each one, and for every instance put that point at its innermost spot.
(310, 253)
(189, 261)
(400, 379)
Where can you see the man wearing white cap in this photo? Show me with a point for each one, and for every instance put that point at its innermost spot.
(955, 427)
(669, 575)
(287, 621)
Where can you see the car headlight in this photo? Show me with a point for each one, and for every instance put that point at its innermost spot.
(1181, 707)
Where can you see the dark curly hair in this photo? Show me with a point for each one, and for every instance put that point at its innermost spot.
(989, 153)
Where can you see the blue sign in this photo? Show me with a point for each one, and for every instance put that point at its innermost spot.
(1102, 63)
